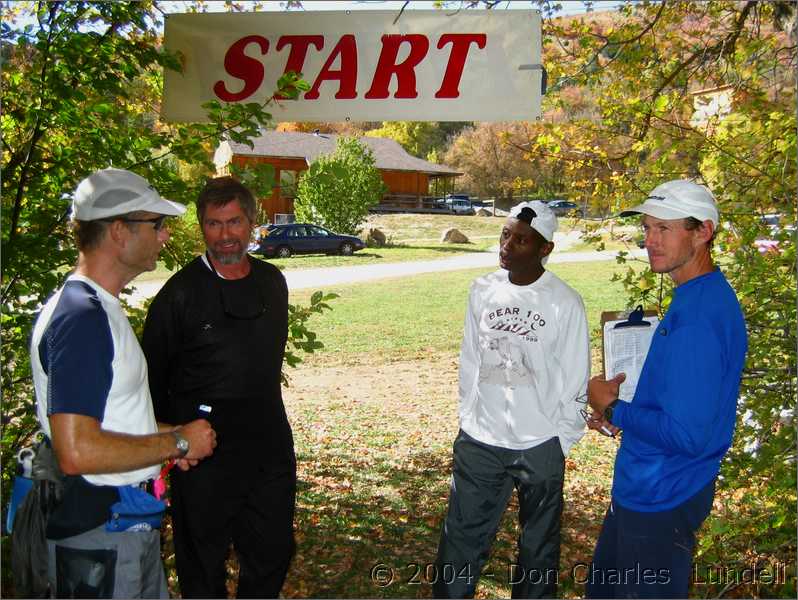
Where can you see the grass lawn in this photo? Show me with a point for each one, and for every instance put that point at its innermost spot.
(400, 228)
(374, 416)
(400, 319)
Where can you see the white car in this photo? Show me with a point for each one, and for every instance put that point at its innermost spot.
(460, 206)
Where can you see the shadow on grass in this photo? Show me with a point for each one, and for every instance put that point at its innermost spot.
(356, 515)
(369, 528)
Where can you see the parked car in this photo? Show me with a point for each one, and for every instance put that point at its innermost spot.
(562, 208)
(460, 207)
(304, 238)
(457, 204)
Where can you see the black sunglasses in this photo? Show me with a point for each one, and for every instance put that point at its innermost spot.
(157, 222)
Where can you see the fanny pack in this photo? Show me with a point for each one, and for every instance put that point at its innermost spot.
(136, 511)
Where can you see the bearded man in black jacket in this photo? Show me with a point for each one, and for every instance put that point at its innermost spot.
(214, 340)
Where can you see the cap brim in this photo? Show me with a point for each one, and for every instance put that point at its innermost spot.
(162, 206)
(654, 210)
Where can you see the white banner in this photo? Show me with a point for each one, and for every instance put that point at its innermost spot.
(431, 65)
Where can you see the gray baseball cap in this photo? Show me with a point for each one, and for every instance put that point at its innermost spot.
(112, 192)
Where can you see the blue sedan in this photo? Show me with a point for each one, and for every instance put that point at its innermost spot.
(303, 238)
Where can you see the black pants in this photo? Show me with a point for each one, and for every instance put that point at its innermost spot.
(217, 503)
(482, 481)
(647, 555)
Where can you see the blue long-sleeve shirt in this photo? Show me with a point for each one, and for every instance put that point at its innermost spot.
(680, 423)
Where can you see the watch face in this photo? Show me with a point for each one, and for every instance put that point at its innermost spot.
(182, 445)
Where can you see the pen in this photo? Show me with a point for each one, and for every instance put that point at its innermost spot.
(607, 432)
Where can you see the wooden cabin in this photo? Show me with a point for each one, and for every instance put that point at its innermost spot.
(412, 183)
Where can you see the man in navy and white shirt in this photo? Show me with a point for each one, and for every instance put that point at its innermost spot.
(524, 365)
(93, 401)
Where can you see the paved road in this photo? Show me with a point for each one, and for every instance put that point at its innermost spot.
(326, 277)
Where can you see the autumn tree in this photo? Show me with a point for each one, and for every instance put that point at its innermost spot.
(424, 139)
(493, 159)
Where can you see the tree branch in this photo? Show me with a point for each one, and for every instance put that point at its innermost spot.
(401, 11)
(719, 49)
(622, 44)
(37, 130)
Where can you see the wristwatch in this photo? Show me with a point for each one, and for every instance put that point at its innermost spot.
(181, 444)
(608, 410)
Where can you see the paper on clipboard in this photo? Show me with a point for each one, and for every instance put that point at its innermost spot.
(625, 350)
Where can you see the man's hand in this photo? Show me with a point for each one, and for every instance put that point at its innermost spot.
(185, 464)
(603, 392)
(598, 423)
(201, 439)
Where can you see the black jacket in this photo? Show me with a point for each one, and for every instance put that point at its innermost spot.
(218, 343)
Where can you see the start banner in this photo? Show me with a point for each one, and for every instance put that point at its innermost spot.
(430, 65)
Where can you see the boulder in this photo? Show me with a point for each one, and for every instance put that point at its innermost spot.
(375, 237)
(454, 236)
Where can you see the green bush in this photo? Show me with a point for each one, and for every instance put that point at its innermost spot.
(338, 189)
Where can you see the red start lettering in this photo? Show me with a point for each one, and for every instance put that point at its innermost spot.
(241, 66)
(346, 48)
(299, 51)
(250, 70)
(461, 42)
(405, 72)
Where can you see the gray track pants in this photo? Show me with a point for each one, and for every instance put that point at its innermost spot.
(102, 564)
(482, 481)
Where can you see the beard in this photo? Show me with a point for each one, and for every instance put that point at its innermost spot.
(230, 257)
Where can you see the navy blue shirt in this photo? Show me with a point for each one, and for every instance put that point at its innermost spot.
(77, 352)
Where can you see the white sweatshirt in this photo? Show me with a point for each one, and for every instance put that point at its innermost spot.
(524, 362)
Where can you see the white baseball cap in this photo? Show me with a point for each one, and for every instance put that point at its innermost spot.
(678, 199)
(114, 192)
(542, 219)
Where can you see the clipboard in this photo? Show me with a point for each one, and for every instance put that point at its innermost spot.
(626, 338)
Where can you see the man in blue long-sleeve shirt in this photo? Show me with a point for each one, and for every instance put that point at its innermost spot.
(679, 424)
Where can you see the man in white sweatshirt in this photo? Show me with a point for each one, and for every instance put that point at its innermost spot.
(524, 366)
